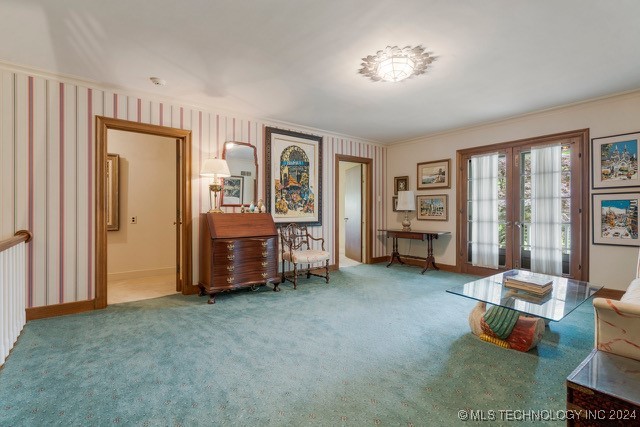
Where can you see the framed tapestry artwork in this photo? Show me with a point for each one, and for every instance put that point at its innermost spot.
(113, 196)
(293, 175)
(400, 183)
(232, 190)
(614, 161)
(615, 219)
(434, 174)
(433, 207)
(394, 203)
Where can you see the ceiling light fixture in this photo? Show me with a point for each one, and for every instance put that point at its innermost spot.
(394, 64)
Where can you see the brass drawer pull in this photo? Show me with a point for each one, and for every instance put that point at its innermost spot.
(230, 279)
(265, 263)
(230, 246)
(265, 253)
(264, 243)
(230, 267)
(230, 257)
(264, 275)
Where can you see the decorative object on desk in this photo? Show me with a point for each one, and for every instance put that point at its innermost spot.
(252, 207)
(113, 194)
(615, 219)
(242, 210)
(406, 203)
(215, 169)
(614, 161)
(293, 176)
(400, 183)
(232, 189)
(394, 203)
(434, 174)
(433, 207)
(260, 207)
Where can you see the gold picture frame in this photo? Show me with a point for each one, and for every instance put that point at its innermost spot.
(113, 192)
(435, 174)
(433, 207)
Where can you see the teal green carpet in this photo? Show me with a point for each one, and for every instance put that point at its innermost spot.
(375, 346)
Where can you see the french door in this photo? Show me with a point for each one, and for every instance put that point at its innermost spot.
(500, 179)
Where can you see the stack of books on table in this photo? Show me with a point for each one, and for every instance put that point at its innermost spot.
(536, 284)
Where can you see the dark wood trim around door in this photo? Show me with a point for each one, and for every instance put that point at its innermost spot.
(183, 138)
(580, 213)
(368, 211)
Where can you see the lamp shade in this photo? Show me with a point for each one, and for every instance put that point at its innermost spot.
(406, 201)
(215, 168)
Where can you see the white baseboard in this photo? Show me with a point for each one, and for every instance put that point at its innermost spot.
(135, 274)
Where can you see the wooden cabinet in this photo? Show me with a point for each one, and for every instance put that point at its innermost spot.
(603, 391)
(237, 251)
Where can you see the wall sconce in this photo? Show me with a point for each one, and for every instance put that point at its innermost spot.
(215, 169)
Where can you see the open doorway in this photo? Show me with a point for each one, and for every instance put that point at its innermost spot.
(141, 237)
(138, 141)
(353, 210)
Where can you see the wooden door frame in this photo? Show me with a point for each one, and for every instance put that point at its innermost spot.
(582, 212)
(368, 211)
(183, 138)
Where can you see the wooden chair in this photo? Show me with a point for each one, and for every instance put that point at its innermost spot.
(296, 249)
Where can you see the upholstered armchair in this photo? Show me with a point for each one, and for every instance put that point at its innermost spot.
(618, 322)
(297, 249)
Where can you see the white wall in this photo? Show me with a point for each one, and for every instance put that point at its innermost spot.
(148, 192)
(611, 266)
(47, 164)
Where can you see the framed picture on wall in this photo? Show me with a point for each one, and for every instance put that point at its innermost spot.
(113, 193)
(434, 174)
(293, 175)
(400, 183)
(394, 203)
(433, 207)
(615, 219)
(614, 161)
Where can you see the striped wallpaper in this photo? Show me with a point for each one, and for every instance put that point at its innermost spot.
(47, 172)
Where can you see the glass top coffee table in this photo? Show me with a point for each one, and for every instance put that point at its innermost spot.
(567, 294)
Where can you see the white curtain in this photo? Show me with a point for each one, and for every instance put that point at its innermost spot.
(484, 211)
(546, 210)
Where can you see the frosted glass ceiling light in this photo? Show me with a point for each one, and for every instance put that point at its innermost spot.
(394, 64)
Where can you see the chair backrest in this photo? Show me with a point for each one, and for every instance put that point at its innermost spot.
(294, 237)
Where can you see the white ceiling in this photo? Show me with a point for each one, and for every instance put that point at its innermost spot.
(297, 61)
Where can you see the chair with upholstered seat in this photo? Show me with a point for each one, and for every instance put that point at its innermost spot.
(297, 249)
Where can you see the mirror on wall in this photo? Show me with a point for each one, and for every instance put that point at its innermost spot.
(240, 188)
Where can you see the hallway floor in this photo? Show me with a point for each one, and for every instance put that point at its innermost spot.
(119, 291)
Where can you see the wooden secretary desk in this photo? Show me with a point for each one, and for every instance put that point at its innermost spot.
(237, 250)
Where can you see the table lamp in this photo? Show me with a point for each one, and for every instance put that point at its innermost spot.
(406, 203)
(215, 169)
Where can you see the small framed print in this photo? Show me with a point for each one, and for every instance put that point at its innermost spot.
(434, 174)
(400, 183)
(232, 189)
(615, 219)
(433, 207)
(614, 161)
(394, 203)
